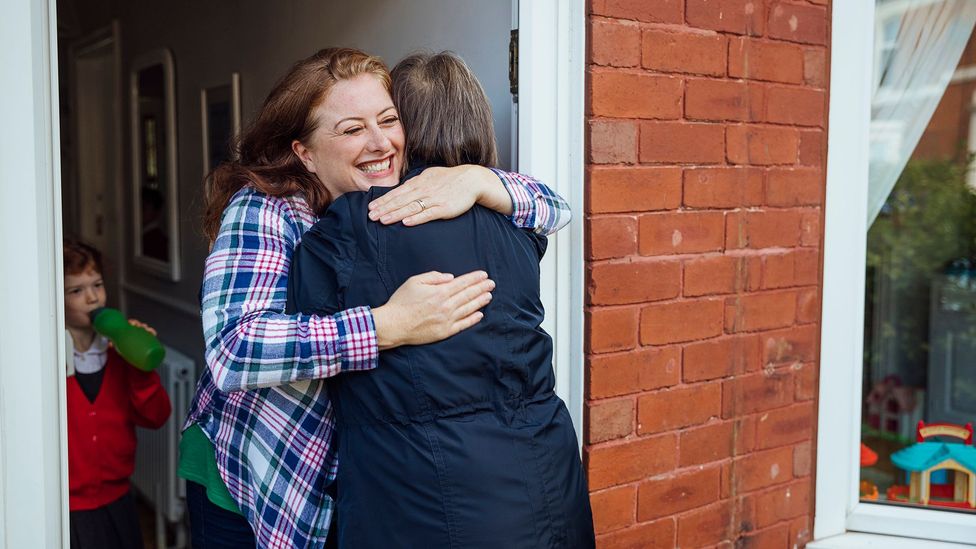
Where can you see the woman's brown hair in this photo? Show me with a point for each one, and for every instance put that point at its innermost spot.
(444, 111)
(265, 159)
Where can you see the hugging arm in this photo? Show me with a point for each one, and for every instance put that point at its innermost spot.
(250, 341)
(448, 192)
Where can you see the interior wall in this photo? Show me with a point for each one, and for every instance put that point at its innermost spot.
(258, 39)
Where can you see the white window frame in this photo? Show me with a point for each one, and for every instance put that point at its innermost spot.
(33, 442)
(838, 509)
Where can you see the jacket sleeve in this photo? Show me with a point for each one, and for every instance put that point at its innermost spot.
(250, 341)
(535, 205)
(150, 403)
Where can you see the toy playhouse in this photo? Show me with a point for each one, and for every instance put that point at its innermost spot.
(941, 473)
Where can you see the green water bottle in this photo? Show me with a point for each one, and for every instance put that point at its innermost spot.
(136, 345)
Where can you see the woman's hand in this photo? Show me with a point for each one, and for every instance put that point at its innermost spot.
(441, 193)
(430, 307)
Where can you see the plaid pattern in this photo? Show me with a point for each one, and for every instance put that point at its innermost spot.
(536, 206)
(262, 400)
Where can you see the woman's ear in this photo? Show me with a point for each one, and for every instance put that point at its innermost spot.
(303, 154)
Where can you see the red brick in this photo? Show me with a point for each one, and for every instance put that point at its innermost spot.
(800, 533)
(611, 237)
(681, 142)
(785, 426)
(794, 187)
(811, 147)
(720, 358)
(610, 420)
(798, 23)
(613, 465)
(633, 282)
(681, 232)
(631, 372)
(712, 442)
(749, 313)
(685, 52)
(704, 527)
(614, 509)
(795, 345)
(723, 100)
(633, 95)
(759, 470)
(667, 496)
(796, 106)
(773, 538)
(806, 381)
(795, 268)
(756, 393)
(633, 189)
(721, 275)
(744, 435)
(802, 458)
(808, 306)
(722, 187)
(815, 67)
(611, 330)
(614, 43)
(681, 321)
(649, 11)
(613, 141)
(763, 229)
(810, 233)
(761, 145)
(759, 60)
(671, 409)
(733, 16)
(653, 535)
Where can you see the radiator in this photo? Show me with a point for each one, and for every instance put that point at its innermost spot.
(158, 450)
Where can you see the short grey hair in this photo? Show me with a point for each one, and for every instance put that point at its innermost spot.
(445, 112)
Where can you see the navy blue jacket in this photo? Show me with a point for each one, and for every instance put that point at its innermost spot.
(461, 443)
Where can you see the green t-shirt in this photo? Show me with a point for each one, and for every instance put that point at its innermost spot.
(198, 463)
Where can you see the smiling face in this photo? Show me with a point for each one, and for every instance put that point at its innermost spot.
(358, 140)
(83, 293)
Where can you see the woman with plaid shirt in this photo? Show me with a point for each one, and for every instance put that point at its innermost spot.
(257, 448)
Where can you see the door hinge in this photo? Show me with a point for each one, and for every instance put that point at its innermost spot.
(513, 46)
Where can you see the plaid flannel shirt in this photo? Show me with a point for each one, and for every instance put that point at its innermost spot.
(262, 399)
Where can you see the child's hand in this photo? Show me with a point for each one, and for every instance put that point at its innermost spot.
(142, 325)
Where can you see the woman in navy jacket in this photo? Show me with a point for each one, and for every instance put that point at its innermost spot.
(461, 443)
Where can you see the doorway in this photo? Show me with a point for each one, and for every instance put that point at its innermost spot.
(549, 146)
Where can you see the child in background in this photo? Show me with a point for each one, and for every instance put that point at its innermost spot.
(106, 398)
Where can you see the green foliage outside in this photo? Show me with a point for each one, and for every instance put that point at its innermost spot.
(928, 222)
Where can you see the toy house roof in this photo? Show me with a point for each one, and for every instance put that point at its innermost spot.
(925, 455)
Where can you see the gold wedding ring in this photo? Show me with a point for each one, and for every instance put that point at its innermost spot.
(422, 205)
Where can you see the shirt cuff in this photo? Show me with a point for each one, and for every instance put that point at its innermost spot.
(523, 202)
(358, 349)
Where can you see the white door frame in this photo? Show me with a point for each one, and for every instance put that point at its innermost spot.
(550, 147)
(33, 442)
(33, 466)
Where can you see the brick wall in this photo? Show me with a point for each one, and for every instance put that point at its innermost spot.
(706, 147)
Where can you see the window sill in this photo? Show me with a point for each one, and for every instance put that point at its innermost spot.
(857, 540)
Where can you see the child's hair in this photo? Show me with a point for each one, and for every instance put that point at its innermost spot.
(79, 257)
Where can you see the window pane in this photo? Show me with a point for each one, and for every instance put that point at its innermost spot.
(920, 313)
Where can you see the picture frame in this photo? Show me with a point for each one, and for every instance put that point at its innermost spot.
(220, 120)
(155, 193)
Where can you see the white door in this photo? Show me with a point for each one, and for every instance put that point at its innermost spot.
(93, 189)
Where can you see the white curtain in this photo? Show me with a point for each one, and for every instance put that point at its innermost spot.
(918, 44)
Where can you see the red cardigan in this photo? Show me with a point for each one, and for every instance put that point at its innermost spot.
(102, 435)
